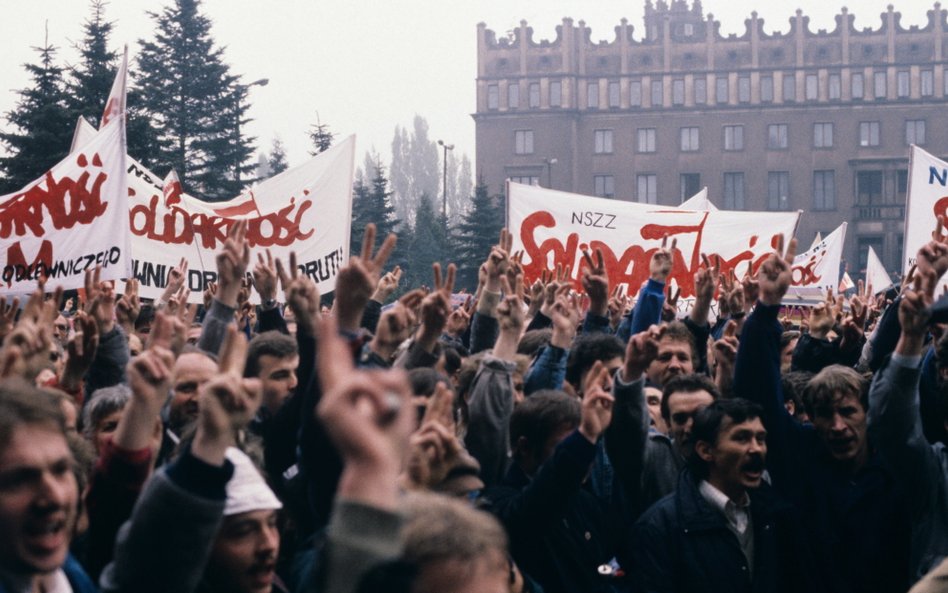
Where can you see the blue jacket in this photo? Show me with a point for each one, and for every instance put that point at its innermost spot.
(683, 544)
(78, 578)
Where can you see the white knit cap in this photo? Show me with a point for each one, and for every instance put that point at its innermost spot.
(247, 490)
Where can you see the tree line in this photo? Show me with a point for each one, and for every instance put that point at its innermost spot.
(186, 111)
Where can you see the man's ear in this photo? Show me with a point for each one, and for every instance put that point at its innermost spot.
(703, 450)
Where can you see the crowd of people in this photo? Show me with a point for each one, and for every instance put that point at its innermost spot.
(560, 436)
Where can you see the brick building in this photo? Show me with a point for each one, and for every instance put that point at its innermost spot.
(817, 121)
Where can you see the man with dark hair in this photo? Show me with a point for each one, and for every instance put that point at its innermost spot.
(855, 509)
(560, 533)
(723, 529)
(588, 349)
(682, 397)
(38, 495)
(273, 357)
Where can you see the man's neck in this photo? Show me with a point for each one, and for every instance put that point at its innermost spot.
(736, 493)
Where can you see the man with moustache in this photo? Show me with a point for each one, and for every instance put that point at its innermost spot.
(38, 495)
(724, 529)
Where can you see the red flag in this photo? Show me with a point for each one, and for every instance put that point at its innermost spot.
(171, 189)
(115, 105)
(239, 209)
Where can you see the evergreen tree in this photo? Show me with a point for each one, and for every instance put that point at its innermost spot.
(416, 168)
(92, 78)
(277, 160)
(476, 234)
(373, 203)
(197, 106)
(320, 136)
(43, 124)
(427, 245)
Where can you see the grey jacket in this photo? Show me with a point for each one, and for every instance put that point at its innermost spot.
(490, 405)
(646, 462)
(895, 426)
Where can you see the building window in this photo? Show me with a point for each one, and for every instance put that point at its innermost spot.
(690, 185)
(915, 132)
(902, 86)
(744, 89)
(869, 188)
(656, 93)
(603, 141)
(878, 85)
(812, 87)
(646, 141)
(493, 96)
(733, 191)
(824, 190)
(513, 96)
(945, 84)
(864, 243)
(526, 179)
(689, 140)
(678, 92)
(858, 85)
(733, 137)
(635, 93)
(648, 188)
(523, 142)
(701, 91)
(778, 190)
(613, 94)
(766, 89)
(534, 96)
(720, 89)
(823, 135)
(789, 88)
(556, 94)
(901, 185)
(592, 95)
(868, 133)
(605, 186)
(835, 87)
(777, 136)
(688, 29)
(928, 83)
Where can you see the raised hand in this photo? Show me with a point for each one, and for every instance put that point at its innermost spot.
(396, 324)
(232, 262)
(750, 288)
(265, 279)
(641, 350)
(227, 402)
(149, 377)
(914, 312)
(725, 349)
(823, 317)
(81, 351)
(209, 293)
(176, 279)
(775, 274)
(498, 261)
(596, 283)
(617, 306)
(436, 308)
(100, 301)
(7, 315)
(660, 266)
(128, 306)
(26, 350)
(706, 281)
(670, 306)
(301, 294)
(934, 254)
(368, 416)
(565, 315)
(388, 284)
(597, 402)
(356, 282)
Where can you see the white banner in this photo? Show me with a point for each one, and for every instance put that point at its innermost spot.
(71, 219)
(927, 199)
(554, 227)
(306, 209)
(699, 201)
(817, 269)
(877, 277)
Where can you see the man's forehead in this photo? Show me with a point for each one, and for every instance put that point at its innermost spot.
(689, 399)
(728, 425)
(194, 362)
(670, 343)
(30, 443)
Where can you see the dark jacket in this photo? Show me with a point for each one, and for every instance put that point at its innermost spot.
(560, 533)
(683, 544)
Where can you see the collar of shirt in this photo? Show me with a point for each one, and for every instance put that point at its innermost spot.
(737, 514)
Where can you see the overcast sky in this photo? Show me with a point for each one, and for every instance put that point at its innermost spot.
(369, 66)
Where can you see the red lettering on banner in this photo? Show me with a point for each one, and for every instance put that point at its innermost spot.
(176, 226)
(25, 213)
(941, 208)
(632, 268)
(806, 274)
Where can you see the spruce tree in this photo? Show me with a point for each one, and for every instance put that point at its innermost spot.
(42, 123)
(276, 161)
(476, 234)
(92, 77)
(427, 245)
(320, 136)
(373, 203)
(197, 106)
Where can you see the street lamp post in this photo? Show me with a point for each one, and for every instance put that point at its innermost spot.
(444, 179)
(549, 172)
(240, 89)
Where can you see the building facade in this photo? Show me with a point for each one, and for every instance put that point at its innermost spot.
(816, 121)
